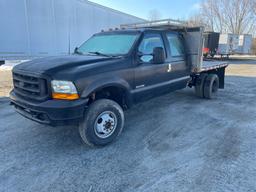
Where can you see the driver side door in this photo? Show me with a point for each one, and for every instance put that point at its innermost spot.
(150, 77)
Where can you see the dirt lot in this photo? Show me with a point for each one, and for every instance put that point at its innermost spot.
(176, 142)
(5, 82)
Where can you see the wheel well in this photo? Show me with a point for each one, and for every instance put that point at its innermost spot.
(114, 93)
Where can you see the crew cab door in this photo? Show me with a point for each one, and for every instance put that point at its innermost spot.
(179, 71)
(150, 77)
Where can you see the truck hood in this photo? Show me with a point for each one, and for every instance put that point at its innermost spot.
(50, 65)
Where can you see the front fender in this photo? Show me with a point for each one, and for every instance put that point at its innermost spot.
(106, 82)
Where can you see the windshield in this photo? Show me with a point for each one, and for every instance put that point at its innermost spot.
(109, 44)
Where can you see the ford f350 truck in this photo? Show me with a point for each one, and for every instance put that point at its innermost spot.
(109, 73)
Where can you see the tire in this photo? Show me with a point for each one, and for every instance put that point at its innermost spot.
(103, 122)
(199, 87)
(211, 86)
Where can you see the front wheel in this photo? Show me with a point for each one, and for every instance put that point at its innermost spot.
(102, 124)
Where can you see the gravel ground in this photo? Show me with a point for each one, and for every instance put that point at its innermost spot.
(5, 81)
(176, 142)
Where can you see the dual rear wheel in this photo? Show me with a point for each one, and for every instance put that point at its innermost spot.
(207, 86)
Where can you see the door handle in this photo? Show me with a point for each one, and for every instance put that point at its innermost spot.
(169, 69)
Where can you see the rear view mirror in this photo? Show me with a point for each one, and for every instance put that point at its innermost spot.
(158, 55)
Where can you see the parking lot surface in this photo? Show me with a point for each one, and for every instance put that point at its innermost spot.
(176, 142)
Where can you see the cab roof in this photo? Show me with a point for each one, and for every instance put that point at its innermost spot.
(139, 30)
(158, 25)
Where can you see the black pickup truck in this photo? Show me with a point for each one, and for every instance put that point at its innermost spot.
(109, 73)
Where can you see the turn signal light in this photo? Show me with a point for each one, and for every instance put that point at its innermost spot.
(65, 96)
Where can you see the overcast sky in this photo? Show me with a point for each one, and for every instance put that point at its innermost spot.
(175, 9)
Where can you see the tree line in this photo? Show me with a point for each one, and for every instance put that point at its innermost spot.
(227, 16)
(224, 16)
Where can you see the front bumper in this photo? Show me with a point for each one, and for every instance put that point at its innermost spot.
(50, 112)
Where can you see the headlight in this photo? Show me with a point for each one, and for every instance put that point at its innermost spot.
(64, 90)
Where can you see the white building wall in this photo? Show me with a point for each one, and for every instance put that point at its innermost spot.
(36, 28)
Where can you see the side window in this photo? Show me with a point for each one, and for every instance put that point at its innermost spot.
(176, 45)
(148, 44)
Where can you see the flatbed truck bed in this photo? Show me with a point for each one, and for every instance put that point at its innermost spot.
(212, 65)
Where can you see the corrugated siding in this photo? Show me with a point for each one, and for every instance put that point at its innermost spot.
(36, 28)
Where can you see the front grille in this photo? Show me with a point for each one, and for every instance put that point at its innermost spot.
(30, 86)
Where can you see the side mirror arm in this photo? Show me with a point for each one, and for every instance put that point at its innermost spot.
(76, 49)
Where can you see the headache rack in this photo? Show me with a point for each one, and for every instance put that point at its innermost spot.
(165, 23)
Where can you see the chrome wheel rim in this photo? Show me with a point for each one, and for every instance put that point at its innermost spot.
(105, 124)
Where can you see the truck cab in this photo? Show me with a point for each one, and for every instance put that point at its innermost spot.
(109, 73)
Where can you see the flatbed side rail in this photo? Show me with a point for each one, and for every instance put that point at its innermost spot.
(209, 68)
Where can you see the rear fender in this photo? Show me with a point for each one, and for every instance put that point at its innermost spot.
(221, 75)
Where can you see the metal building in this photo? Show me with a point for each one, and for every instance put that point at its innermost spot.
(39, 28)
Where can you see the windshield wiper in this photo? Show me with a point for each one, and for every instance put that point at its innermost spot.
(100, 54)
